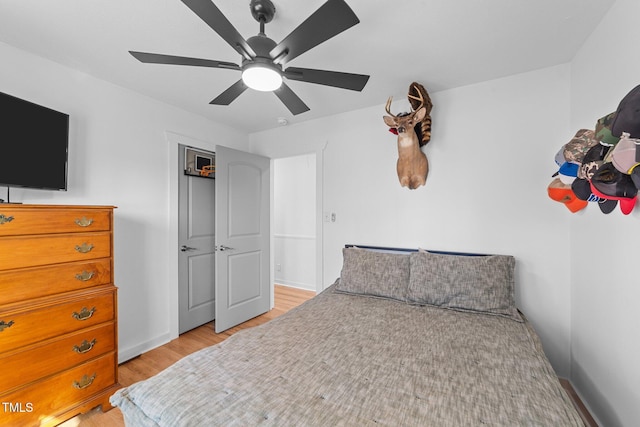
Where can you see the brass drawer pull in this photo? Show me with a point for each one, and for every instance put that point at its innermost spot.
(4, 325)
(85, 275)
(4, 218)
(84, 313)
(84, 382)
(85, 347)
(84, 248)
(84, 221)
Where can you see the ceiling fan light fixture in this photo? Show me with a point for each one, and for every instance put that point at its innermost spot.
(261, 77)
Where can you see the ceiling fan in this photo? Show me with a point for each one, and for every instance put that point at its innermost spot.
(263, 59)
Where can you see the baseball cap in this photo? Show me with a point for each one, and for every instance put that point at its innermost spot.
(603, 130)
(592, 160)
(635, 177)
(568, 172)
(627, 116)
(582, 189)
(559, 157)
(625, 156)
(575, 150)
(610, 183)
(561, 192)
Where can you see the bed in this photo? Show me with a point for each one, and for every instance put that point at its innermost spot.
(400, 339)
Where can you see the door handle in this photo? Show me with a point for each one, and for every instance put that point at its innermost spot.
(185, 248)
(223, 248)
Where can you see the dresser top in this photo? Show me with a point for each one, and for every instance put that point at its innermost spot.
(66, 207)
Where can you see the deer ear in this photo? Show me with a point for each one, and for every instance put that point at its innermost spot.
(389, 121)
(419, 115)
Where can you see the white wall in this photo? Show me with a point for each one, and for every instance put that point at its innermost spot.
(491, 160)
(605, 343)
(118, 155)
(295, 221)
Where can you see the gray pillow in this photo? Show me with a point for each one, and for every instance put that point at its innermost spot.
(366, 272)
(483, 284)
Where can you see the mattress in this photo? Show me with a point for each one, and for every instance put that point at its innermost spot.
(345, 359)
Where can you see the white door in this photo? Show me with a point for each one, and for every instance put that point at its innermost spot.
(242, 202)
(196, 240)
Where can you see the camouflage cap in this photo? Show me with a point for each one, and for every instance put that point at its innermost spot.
(575, 150)
(593, 160)
(603, 130)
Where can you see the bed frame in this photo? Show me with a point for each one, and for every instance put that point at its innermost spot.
(408, 250)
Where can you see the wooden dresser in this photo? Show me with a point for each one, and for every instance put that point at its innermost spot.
(58, 312)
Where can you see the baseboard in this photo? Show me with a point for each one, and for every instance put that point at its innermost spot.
(297, 285)
(578, 404)
(129, 353)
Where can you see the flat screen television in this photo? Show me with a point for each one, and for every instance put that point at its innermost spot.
(34, 143)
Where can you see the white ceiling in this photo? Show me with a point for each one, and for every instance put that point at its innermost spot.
(440, 43)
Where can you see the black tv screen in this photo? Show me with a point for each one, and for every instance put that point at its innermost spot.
(34, 144)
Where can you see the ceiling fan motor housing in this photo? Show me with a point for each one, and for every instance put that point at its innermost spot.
(261, 45)
(262, 11)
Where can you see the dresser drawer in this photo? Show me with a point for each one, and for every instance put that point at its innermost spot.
(39, 403)
(20, 220)
(26, 283)
(31, 251)
(29, 325)
(23, 367)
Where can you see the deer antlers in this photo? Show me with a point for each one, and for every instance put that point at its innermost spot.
(424, 133)
(417, 98)
(388, 107)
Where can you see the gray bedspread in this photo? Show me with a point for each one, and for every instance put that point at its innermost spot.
(348, 360)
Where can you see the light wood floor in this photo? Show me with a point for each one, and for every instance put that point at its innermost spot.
(152, 362)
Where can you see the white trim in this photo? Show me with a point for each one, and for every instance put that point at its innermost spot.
(294, 236)
(296, 285)
(137, 350)
(319, 220)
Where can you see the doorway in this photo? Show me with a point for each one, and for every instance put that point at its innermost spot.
(294, 222)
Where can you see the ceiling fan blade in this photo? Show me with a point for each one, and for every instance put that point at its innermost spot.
(229, 95)
(291, 100)
(158, 58)
(213, 17)
(329, 20)
(328, 78)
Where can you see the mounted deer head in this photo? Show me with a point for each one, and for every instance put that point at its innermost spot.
(412, 166)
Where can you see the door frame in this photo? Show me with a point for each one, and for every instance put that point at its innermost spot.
(173, 142)
(304, 146)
